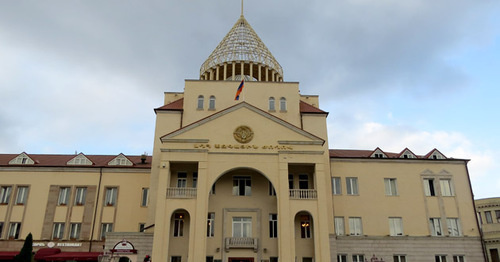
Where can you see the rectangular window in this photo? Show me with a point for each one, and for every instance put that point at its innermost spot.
(1, 229)
(355, 226)
(497, 214)
(80, 194)
(242, 227)
(352, 185)
(390, 187)
(396, 226)
(181, 179)
(195, 179)
(58, 231)
(175, 259)
(453, 227)
(272, 191)
(64, 193)
(242, 186)
(429, 187)
(74, 231)
(341, 258)
(358, 258)
(446, 188)
(22, 195)
(399, 258)
(303, 181)
(105, 228)
(305, 226)
(458, 258)
(336, 186)
(273, 225)
(5, 194)
(290, 181)
(435, 224)
(440, 258)
(14, 230)
(210, 224)
(178, 225)
(111, 193)
(339, 226)
(487, 215)
(145, 197)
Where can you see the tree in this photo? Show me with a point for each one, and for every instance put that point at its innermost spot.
(26, 254)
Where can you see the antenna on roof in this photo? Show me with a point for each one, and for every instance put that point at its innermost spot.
(241, 7)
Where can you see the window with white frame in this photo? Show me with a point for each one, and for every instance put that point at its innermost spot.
(352, 185)
(435, 224)
(358, 258)
(303, 181)
(395, 226)
(242, 227)
(446, 187)
(341, 258)
(14, 230)
(497, 214)
(453, 227)
(58, 231)
(429, 187)
(181, 179)
(64, 193)
(399, 258)
(211, 103)
(22, 195)
(339, 226)
(271, 104)
(5, 194)
(458, 258)
(336, 186)
(74, 231)
(355, 226)
(105, 228)
(111, 194)
(440, 258)
(305, 226)
(200, 102)
(273, 225)
(242, 186)
(178, 224)
(487, 215)
(80, 194)
(210, 224)
(145, 197)
(390, 187)
(282, 104)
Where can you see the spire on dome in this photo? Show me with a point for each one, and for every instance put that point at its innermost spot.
(241, 53)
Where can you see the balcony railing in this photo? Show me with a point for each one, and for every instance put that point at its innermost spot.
(181, 192)
(303, 194)
(241, 242)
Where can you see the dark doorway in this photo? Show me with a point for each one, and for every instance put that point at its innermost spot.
(241, 259)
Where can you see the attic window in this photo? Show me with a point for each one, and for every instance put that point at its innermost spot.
(22, 159)
(80, 160)
(120, 160)
(378, 155)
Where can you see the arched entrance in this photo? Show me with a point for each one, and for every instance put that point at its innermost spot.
(178, 244)
(304, 238)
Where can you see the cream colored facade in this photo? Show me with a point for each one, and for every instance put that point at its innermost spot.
(488, 210)
(254, 179)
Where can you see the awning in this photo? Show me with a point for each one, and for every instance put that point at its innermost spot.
(78, 256)
(8, 255)
(43, 252)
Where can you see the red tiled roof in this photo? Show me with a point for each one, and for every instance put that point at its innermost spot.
(177, 105)
(307, 108)
(48, 160)
(354, 153)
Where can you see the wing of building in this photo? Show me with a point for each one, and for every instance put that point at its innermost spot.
(241, 171)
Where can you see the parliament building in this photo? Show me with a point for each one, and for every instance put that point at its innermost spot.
(241, 171)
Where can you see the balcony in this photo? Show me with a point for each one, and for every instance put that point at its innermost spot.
(181, 192)
(240, 242)
(303, 194)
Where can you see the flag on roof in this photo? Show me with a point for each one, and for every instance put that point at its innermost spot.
(240, 88)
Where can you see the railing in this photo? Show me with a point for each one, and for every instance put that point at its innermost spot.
(181, 192)
(241, 242)
(303, 194)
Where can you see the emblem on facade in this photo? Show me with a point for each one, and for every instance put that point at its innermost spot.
(243, 134)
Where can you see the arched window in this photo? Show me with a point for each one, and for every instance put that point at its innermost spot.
(271, 104)
(282, 104)
(200, 102)
(211, 103)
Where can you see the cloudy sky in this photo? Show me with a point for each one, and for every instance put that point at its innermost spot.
(85, 75)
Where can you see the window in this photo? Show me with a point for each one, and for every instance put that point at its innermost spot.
(178, 225)
(209, 259)
(22, 195)
(399, 258)
(458, 258)
(435, 224)
(487, 215)
(358, 258)
(429, 187)
(175, 259)
(200, 102)
(74, 231)
(5, 194)
(352, 185)
(341, 258)
(14, 230)
(272, 191)
(271, 104)
(211, 103)
(290, 181)
(305, 226)
(390, 187)
(453, 227)
(105, 228)
(1, 229)
(497, 213)
(446, 189)
(210, 224)
(396, 226)
(303, 181)
(242, 186)
(273, 225)
(339, 226)
(440, 258)
(81, 193)
(355, 227)
(58, 231)
(64, 193)
(111, 193)
(282, 104)
(242, 227)
(181, 179)
(336, 186)
(195, 179)
(273, 259)
(145, 197)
